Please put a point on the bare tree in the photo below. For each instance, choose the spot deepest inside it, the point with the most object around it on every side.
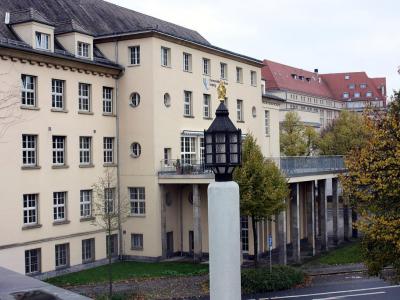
(109, 211)
(10, 113)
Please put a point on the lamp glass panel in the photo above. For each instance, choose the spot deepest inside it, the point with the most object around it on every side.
(234, 158)
(220, 138)
(209, 159)
(221, 170)
(220, 148)
(208, 138)
(233, 148)
(233, 137)
(220, 158)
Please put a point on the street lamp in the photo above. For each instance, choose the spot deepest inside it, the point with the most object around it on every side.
(222, 154)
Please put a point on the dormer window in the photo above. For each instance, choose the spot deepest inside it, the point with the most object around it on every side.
(345, 95)
(83, 50)
(294, 76)
(42, 41)
(347, 77)
(368, 94)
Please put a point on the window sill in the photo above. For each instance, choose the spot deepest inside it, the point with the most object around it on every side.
(186, 116)
(254, 85)
(87, 261)
(136, 216)
(133, 65)
(31, 167)
(208, 75)
(168, 67)
(59, 110)
(82, 112)
(56, 223)
(29, 107)
(62, 267)
(109, 115)
(240, 121)
(86, 166)
(207, 118)
(60, 167)
(240, 82)
(186, 71)
(109, 165)
(137, 248)
(86, 219)
(33, 226)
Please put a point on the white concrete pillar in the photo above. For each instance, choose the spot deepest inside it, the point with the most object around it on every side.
(163, 196)
(281, 237)
(295, 221)
(310, 211)
(197, 251)
(224, 240)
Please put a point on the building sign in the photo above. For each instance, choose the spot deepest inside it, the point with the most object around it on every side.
(211, 83)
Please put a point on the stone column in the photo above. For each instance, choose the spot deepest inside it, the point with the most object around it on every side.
(295, 221)
(163, 196)
(281, 237)
(323, 211)
(310, 201)
(347, 222)
(197, 251)
(335, 212)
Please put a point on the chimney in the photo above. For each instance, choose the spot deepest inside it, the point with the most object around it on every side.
(316, 71)
(7, 18)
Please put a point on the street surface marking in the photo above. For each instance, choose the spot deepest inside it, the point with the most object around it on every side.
(352, 295)
(335, 292)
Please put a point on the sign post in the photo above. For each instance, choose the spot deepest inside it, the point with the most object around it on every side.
(270, 252)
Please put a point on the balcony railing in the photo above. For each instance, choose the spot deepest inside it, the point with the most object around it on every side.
(291, 166)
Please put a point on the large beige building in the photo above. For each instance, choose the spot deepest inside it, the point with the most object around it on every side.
(101, 87)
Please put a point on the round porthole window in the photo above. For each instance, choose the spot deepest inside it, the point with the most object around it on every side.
(136, 149)
(254, 112)
(167, 100)
(135, 99)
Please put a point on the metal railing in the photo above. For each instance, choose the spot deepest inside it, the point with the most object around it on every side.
(183, 167)
(293, 166)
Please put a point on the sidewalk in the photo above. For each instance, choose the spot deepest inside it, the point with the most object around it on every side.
(330, 270)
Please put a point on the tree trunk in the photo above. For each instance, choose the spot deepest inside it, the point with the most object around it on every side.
(255, 240)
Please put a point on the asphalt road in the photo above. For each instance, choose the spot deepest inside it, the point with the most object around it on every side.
(345, 286)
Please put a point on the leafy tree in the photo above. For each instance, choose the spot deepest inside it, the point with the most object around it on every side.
(372, 184)
(263, 188)
(343, 134)
(296, 139)
(10, 112)
(109, 211)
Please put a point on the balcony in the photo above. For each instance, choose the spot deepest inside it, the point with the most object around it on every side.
(184, 171)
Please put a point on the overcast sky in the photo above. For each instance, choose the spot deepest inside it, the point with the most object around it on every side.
(333, 36)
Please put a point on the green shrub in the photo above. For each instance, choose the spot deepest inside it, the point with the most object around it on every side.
(261, 280)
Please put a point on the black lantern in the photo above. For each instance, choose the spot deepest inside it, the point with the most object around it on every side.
(222, 149)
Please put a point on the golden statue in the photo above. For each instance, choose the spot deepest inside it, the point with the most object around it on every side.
(221, 90)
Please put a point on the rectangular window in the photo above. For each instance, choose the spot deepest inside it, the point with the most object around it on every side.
(239, 110)
(165, 57)
(134, 55)
(85, 150)
(253, 78)
(28, 92)
(83, 49)
(188, 150)
(32, 261)
(112, 245)
(187, 62)
(86, 203)
(356, 95)
(206, 106)
(59, 150)
(107, 100)
(206, 66)
(201, 150)
(345, 95)
(137, 241)
(57, 93)
(84, 97)
(187, 105)
(266, 122)
(352, 86)
(244, 233)
(30, 209)
(368, 94)
(42, 41)
(109, 196)
(108, 151)
(59, 206)
(29, 150)
(224, 71)
(363, 85)
(322, 117)
(167, 156)
(137, 200)
(62, 255)
(239, 75)
(88, 250)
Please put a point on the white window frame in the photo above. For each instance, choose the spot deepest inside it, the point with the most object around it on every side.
(239, 75)
(42, 41)
(88, 250)
(109, 200)
(207, 106)
(29, 263)
(137, 199)
(59, 153)
(83, 49)
(166, 57)
(368, 94)
(59, 206)
(346, 95)
(253, 78)
(113, 239)
(136, 149)
(239, 110)
(85, 150)
(135, 99)
(134, 55)
(108, 106)
(188, 150)
(29, 150)
(267, 122)
(224, 71)
(206, 66)
(108, 150)
(57, 94)
(357, 94)
(137, 241)
(61, 253)
(244, 234)
(188, 104)
(86, 203)
(187, 62)
(84, 97)
(28, 90)
(30, 209)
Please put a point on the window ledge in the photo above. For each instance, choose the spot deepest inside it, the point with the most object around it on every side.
(207, 118)
(29, 107)
(59, 110)
(87, 261)
(168, 67)
(109, 165)
(136, 216)
(55, 223)
(187, 71)
(133, 65)
(109, 115)
(60, 167)
(240, 82)
(240, 121)
(62, 267)
(33, 226)
(191, 117)
(82, 166)
(137, 248)
(82, 112)
(86, 219)
(208, 75)
(31, 167)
